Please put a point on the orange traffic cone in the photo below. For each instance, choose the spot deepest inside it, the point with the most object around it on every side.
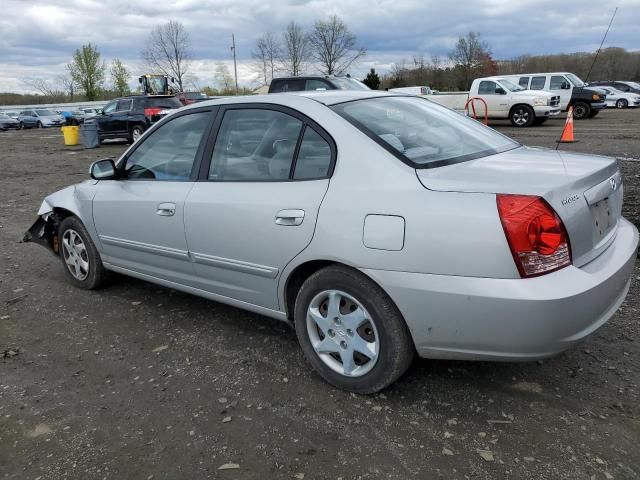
(567, 133)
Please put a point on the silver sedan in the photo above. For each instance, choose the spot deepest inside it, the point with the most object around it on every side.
(379, 225)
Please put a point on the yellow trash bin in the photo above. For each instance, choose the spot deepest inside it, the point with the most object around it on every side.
(71, 135)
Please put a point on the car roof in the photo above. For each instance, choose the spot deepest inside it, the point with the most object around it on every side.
(326, 97)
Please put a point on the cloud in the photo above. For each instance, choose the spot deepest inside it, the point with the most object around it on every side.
(38, 38)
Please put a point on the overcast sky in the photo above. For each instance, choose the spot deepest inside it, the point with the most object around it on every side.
(38, 37)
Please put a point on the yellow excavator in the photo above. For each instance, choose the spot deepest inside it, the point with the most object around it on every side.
(153, 84)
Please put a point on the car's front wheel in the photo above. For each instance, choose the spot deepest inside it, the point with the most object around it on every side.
(581, 110)
(21, 126)
(622, 103)
(351, 331)
(522, 116)
(39, 125)
(79, 255)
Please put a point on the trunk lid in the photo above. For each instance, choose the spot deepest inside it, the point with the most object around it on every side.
(584, 190)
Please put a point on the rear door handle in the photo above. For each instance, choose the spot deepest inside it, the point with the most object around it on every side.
(290, 217)
(166, 209)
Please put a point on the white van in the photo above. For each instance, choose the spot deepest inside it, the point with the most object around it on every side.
(586, 101)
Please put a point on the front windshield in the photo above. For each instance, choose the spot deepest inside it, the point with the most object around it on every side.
(422, 133)
(347, 83)
(575, 80)
(509, 85)
(46, 113)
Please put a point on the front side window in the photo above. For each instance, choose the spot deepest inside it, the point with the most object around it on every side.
(422, 133)
(169, 153)
(557, 82)
(255, 145)
(537, 83)
(110, 108)
(314, 84)
(487, 88)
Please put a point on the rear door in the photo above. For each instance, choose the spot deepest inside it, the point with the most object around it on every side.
(255, 206)
(140, 216)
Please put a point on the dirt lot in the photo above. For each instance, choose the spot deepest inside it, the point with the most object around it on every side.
(88, 389)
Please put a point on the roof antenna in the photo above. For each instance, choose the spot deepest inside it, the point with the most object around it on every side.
(594, 61)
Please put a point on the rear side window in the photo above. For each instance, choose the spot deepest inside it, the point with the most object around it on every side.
(487, 88)
(524, 82)
(289, 85)
(537, 83)
(170, 151)
(314, 157)
(123, 105)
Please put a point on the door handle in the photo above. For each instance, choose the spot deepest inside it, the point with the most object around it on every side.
(166, 209)
(290, 217)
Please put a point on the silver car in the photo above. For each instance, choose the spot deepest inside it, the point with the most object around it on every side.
(379, 225)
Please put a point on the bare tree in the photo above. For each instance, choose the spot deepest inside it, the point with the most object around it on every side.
(44, 87)
(223, 76)
(333, 46)
(167, 50)
(469, 54)
(295, 52)
(87, 71)
(267, 56)
(119, 77)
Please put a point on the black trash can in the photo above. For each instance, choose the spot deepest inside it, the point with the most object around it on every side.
(89, 135)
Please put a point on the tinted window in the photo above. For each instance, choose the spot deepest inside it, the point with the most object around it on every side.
(537, 83)
(317, 85)
(487, 88)
(170, 151)
(123, 105)
(110, 107)
(163, 102)
(255, 145)
(289, 85)
(622, 87)
(422, 133)
(524, 82)
(314, 157)
(556, 82)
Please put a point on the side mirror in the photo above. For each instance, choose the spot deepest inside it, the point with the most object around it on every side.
(103, 170)
(500, 91)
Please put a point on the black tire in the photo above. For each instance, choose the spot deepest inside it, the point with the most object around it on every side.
(136, 131)
(622, 103)
(96, 274)
(21, 126)
(540, 120)
(39, 124)
(581, 110)
(396, 349)
(522, 116)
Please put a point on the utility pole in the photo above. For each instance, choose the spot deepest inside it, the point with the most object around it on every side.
(235, 66)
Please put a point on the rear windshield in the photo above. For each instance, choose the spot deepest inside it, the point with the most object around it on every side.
(422, 133)
(163, 102)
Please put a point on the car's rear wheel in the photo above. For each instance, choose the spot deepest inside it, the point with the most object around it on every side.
(581, 110)
(136, 133)
(79, 255)
(351, 331)
(522, 116)
(622, 103)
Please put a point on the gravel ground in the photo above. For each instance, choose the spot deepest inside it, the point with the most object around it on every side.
(137, 382)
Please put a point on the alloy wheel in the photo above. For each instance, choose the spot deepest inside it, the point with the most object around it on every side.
(342, 333)
(521, 116)
(75, 254)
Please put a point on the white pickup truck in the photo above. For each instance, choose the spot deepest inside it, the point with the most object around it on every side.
(504, 99)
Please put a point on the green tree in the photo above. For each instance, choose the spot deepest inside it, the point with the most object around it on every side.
(120, 78)
(372, 80)
(86, 71)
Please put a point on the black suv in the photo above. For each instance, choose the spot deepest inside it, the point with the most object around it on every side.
(329, 82)
(129, 117)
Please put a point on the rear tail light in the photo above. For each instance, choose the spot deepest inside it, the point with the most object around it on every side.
(150, 112)
(536, 235)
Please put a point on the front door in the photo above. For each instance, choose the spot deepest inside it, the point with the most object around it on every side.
(140, 217)
(256, 205)
(559, 85)
(497, 103)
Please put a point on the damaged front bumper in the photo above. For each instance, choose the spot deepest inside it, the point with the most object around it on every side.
(44, 232)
